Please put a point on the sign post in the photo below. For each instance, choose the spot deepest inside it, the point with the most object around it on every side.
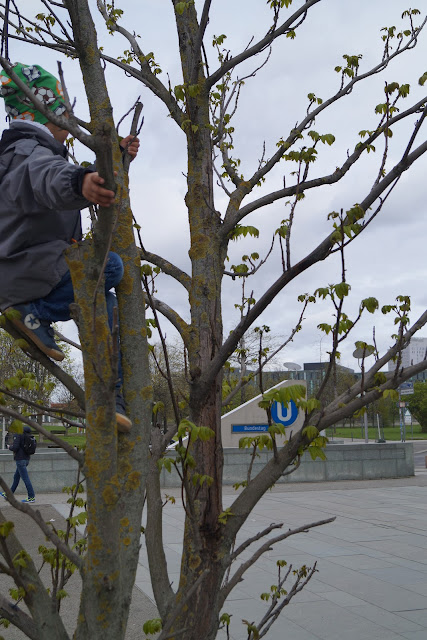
(405, 389)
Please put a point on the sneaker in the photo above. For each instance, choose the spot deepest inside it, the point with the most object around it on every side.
(28, 500)
(3, 495)
(38, 331)
(124, 425)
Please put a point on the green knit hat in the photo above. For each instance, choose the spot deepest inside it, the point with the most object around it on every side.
(43, 84)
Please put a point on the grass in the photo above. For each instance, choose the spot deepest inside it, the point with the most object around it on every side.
(71, 436)
(389, 433)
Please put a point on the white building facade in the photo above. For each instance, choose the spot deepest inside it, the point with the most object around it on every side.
(415, 352)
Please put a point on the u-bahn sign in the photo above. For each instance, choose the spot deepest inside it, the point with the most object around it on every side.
(249, 418)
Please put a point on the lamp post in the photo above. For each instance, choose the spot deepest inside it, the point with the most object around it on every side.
(363, 352)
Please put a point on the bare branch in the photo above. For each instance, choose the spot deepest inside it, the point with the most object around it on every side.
(34, 514)
(267, 546)
(61, 375)
(68, 448)
(174, 318)
(19, 619)
(200, 35)
(234, 216)
(168, 268)
(319, 253)
(241, 383)
(261, 45)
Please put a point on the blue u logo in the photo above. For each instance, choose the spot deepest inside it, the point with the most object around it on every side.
(284, 415)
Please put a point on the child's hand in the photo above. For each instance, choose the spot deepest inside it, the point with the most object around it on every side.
(94, 192)
(131, 144)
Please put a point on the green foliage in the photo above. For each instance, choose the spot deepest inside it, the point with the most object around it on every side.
(153, 626)
(252, 630)
(16, 426)
(166, 463)
(284, 395)
(393, 394)
(17, 594)
(240, 230)
(224, 515)
(218, 40)
(327, 138)
(21, 559)
(310, 432)
(380, 378)
(158, 406)
(274, 4)
(80, 518)
(180, 7)
(196, 433)
(6, 528)
(370, 304)
(260, 442)
(417, 404)
(113, 16)
(225, 619)
(198, 479)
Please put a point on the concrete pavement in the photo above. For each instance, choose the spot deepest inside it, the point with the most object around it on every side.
(371, 582)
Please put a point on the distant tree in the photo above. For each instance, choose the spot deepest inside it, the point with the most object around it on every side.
(417, 404)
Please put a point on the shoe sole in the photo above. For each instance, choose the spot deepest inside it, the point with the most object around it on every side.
(51, 353)
(124, 425)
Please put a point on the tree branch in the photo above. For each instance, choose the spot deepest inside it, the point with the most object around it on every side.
(35, 353)
(168, 268)
(267, 546)
(68, 448)
(234, 216)
(259, 46)
(34, 514)
(174, 318)
(318, 254)
(19, 619)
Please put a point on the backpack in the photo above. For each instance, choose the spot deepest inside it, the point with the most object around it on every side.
(28, 444)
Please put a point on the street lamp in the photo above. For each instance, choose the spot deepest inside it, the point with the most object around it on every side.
(364, 352)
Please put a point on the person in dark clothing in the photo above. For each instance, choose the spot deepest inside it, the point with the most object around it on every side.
(41, 197)
(22, 461)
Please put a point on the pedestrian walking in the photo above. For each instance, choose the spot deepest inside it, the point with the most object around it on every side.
(22, 460)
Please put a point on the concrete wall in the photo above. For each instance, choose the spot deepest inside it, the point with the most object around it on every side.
(50, 469)
(344, 462)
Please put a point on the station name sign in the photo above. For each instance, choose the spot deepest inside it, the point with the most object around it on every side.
(249, 428)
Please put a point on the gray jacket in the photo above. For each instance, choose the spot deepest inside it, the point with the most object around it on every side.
(40, 199)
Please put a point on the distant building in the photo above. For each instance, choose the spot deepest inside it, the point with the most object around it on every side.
(312, 373)
(415, 352)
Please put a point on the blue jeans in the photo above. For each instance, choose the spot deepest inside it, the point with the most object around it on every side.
(55, 307)
(21, 472)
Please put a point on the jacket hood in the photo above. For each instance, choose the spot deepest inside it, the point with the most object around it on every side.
(22, 130)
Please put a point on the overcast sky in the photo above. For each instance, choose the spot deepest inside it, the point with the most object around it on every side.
(386, 260)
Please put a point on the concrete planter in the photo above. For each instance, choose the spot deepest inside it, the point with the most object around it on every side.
(52, 469)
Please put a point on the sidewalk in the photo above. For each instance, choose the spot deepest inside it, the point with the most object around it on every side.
(371, 582)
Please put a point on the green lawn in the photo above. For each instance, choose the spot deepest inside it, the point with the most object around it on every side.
(390, 433)
(71, 436)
